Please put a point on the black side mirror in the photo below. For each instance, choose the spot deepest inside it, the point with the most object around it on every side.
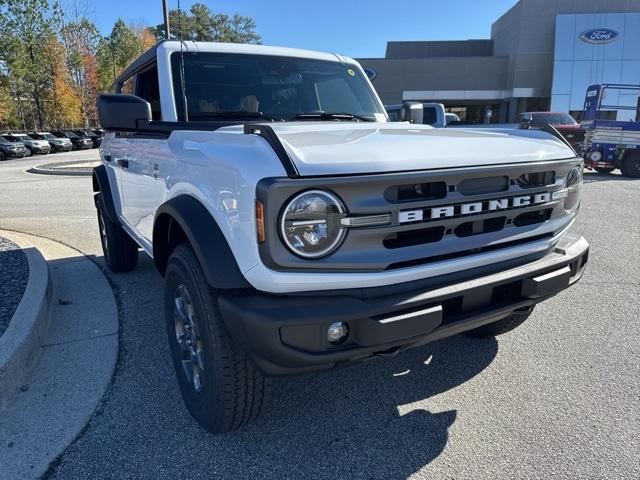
(412, 112)
(123, 113)
(525, 123)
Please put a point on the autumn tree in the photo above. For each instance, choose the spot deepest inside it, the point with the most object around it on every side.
(80, 38)
(65, 104)
(201, 24)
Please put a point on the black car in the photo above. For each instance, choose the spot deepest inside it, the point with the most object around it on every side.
(99, 132)
(78, 142)
(85, 132)
(57, 144)
(11, 148)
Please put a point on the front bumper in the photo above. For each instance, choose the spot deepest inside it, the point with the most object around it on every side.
(43, 150)
(286, 334)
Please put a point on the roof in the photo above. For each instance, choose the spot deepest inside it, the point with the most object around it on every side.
(169, 46)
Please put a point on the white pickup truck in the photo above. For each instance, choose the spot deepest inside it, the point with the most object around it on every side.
(297, 230)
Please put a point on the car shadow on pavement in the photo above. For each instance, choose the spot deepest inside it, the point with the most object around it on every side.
(361, 418)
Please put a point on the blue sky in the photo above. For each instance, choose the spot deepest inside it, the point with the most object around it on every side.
(358, 28)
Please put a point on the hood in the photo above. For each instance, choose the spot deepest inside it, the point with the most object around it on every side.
(334, 148)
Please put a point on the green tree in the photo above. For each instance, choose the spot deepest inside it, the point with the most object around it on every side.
(115, 52)
(201, 24)
(26, 28)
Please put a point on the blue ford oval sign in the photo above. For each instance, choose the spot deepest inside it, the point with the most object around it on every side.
(599, 35)
(370, 72)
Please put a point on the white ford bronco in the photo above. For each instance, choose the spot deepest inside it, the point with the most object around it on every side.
(298, 230)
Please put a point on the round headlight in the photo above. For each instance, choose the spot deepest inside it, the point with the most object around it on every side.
(310, 224)
(573, 184)
(595, 155)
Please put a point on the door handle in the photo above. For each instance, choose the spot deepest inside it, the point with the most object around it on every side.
(122, 163)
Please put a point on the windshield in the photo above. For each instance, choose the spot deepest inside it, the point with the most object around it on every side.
(70, 134)
(230, 86)
(11, 139)
(48, 136)
(22, 137)
(553, 119)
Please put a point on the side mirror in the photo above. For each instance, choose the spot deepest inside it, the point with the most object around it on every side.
(123, 113)
(412, 112)
(525, 123)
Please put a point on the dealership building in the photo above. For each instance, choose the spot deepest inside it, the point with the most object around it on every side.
(542, 55)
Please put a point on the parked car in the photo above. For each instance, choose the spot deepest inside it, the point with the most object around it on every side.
(33, 145)
(56, 144)
(99, 132)
(452, 119)
(298, 233)
(11, 148)
(563, 122)
(85, 132)
(78, 142)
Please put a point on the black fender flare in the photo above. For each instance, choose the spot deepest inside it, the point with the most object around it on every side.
(101, 184)
(205, 237)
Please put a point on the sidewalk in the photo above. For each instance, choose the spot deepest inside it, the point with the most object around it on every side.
(78, 356)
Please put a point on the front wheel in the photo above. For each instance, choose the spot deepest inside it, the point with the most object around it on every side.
(631, 166)
(221, 387)
(505, 325)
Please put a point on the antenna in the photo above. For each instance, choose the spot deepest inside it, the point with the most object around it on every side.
(165, 11)
(182, 82)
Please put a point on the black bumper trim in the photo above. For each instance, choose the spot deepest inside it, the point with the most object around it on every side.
(286, 334)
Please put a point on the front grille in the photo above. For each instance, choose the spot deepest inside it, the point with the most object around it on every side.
(435, 215)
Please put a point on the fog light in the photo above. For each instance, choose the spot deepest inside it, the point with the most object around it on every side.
(337, 333)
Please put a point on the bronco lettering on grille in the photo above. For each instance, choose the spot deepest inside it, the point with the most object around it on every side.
(473, 208)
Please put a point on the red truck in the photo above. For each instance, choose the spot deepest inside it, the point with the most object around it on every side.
(563, 122)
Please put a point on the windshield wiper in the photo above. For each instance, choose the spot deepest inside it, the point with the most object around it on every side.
(320, 115)
(231, 114)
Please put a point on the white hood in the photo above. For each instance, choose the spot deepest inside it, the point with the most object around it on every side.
(333, 148)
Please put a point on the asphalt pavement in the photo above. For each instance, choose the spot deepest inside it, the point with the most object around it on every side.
(559, 397)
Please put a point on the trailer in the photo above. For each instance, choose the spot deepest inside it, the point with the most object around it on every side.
(611, 118)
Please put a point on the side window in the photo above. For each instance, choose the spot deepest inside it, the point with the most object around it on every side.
(429, 116)
(127, 86)
(147, 87)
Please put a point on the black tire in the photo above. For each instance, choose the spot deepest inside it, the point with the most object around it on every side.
(631, 165)
(28, 153)
(221, 387)
(2, 156)
(505, 325)
(120, 251)
(603, 169)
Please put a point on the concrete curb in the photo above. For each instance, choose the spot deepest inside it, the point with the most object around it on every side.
(20, 345)
(53, 169)
(78, 355)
